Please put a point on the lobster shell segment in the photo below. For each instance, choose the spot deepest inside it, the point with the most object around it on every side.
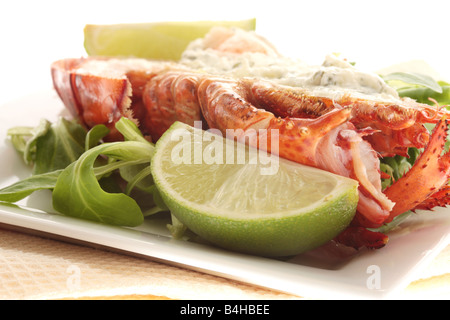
(93, 99)
(101, 90)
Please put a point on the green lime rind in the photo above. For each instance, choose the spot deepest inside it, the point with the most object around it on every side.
(272, 237)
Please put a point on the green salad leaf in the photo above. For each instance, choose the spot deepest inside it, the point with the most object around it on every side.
(412, 78)
(397, 166)
(23, 188)
(24, 139)
(427, 95)
(48, 146)
(61, 145)
(94, 136)
(420, 87)
(78, 193)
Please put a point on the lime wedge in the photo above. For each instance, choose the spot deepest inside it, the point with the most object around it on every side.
(158, 40)
(256, 203)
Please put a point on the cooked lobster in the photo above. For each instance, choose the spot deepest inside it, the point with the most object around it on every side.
(345, 134)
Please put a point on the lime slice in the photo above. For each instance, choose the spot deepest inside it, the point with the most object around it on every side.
(257, 203)
(158, 40)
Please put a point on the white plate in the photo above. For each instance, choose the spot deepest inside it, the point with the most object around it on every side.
(320, 274)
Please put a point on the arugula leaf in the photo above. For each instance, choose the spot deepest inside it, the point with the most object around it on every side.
(78, 193)
(140, 186)
(414, 79)
(398, 220)
(49, 147)
(129, 130)
(24, 139)
(25, 187)
(423, 95)
(62, 144)
(94, 136)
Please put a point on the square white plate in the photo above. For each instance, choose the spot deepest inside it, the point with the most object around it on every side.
(323, 273)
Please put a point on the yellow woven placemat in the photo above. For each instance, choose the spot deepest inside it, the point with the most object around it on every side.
(33, 267)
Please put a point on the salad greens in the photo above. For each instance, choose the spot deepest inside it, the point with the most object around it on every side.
(90, 180)
(49, 146)
(414, 79)
(419, 87)
(78, 193)
(424, 94)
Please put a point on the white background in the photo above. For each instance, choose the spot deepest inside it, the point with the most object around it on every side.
(375, 34)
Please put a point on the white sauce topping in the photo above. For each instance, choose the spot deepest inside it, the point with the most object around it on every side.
(334, 78)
